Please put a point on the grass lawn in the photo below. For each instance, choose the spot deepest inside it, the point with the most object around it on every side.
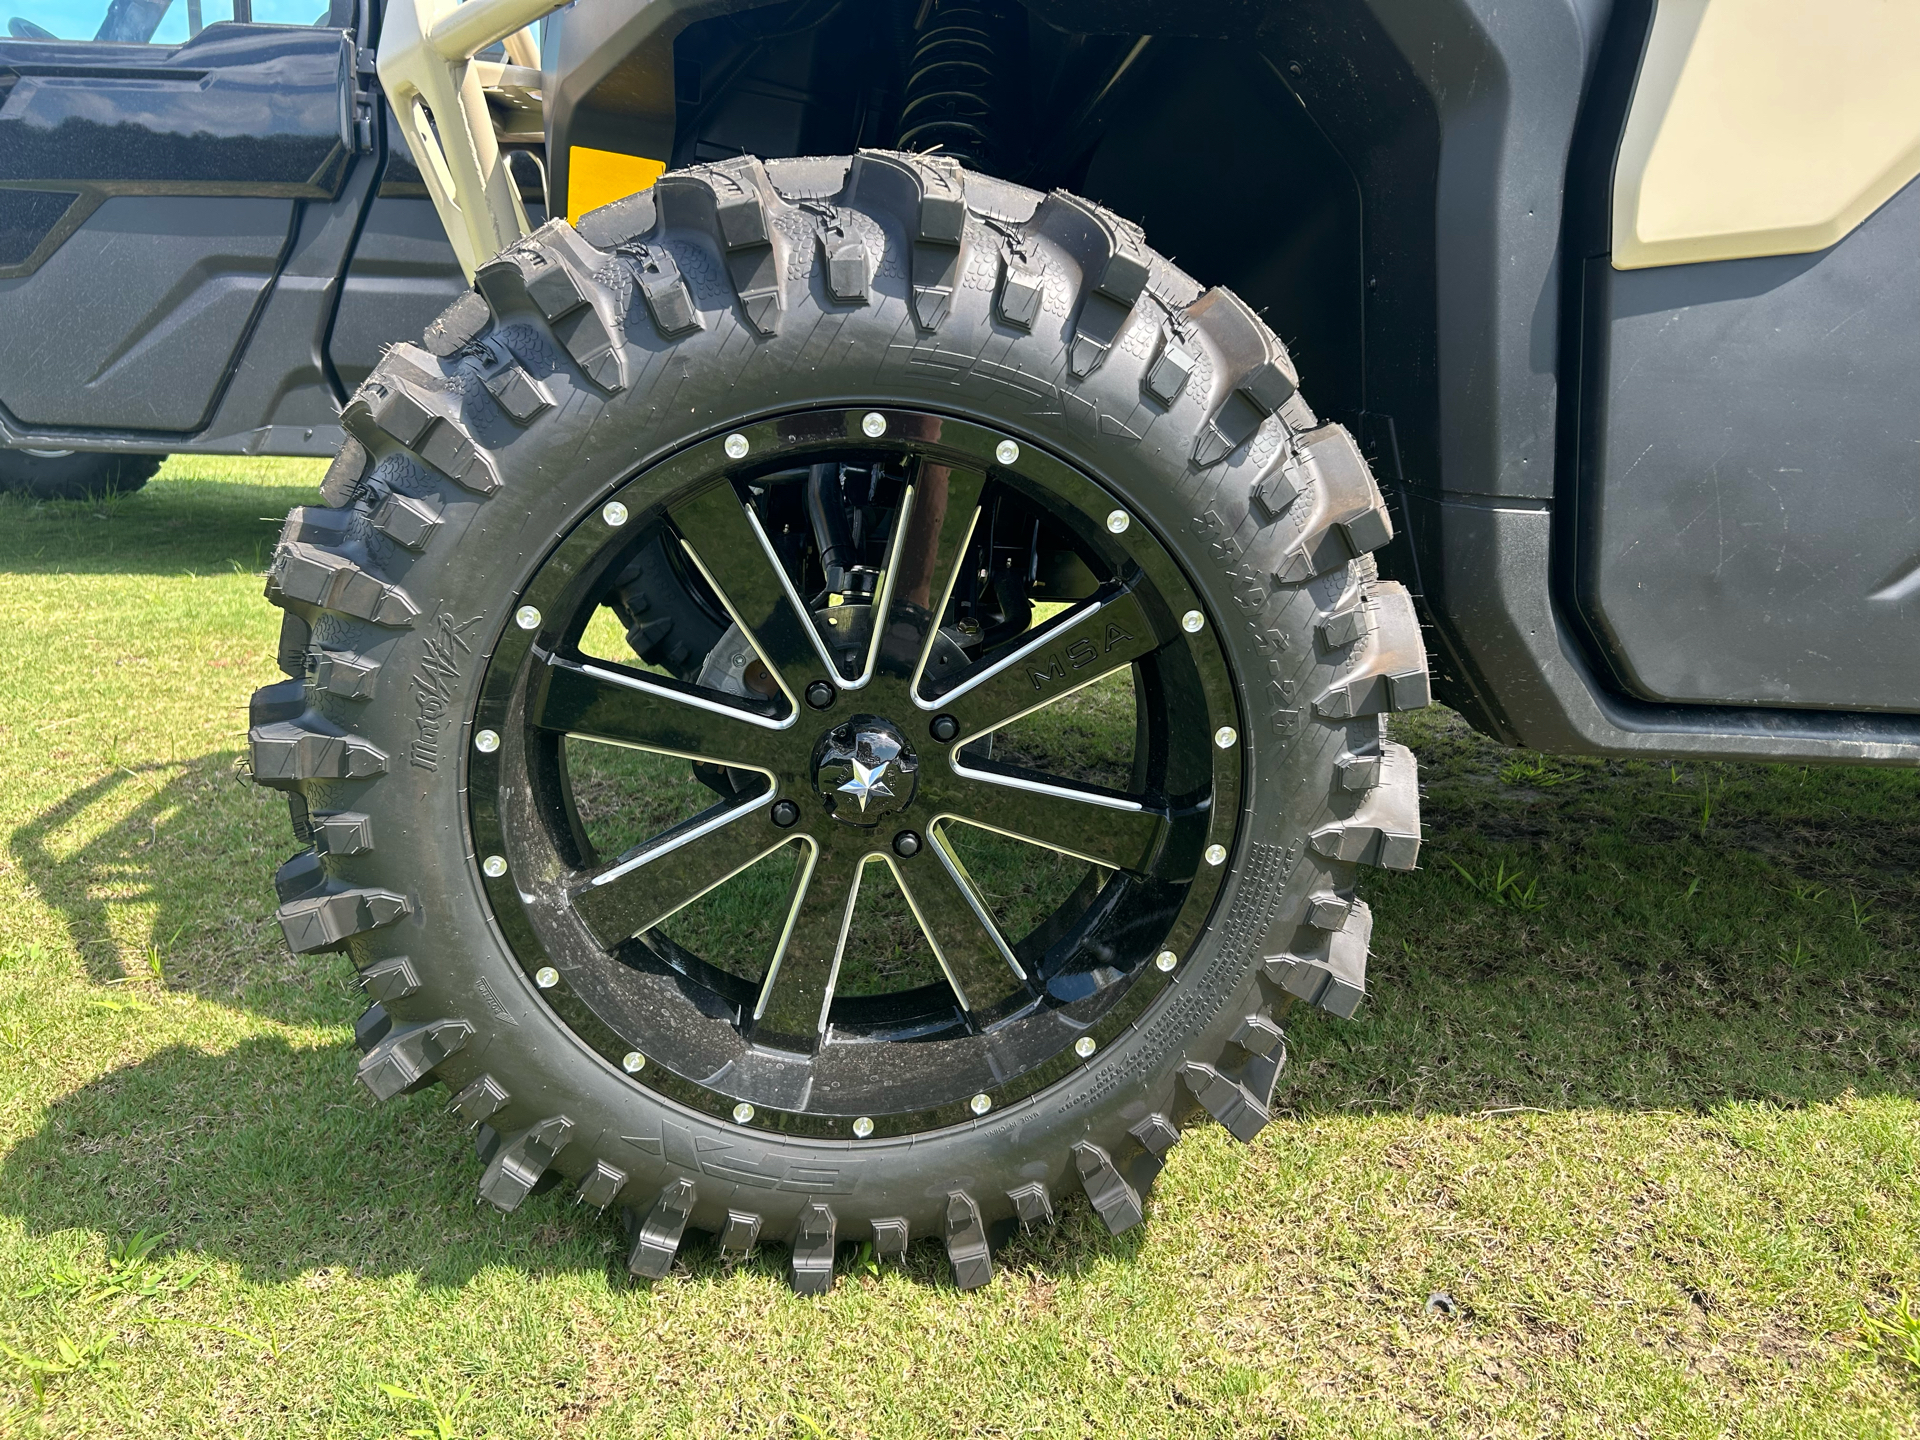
(1622, 1144)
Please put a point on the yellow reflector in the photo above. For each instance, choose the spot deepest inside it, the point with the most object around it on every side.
(600, 177)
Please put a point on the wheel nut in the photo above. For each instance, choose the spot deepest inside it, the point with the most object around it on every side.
(1225, 736)
(1193, 622)
(819, 694)
(863, 1127)
(633, 1062)
(546, 977)
(1216, 854)
(1118, 521)
(785, 813)
(1165, 961)
(944, 728)
(736, 447)
(494, 865)
(980, 1104)
(1006, 452)
(1084, 1046)
(742, 1112)
(527, 618)
(614, 513)
(906, 843)
(486, 742)
(873, 423)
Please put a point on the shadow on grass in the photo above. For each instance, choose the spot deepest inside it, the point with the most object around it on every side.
(179, 522)
(1682, 939)
(201, 850)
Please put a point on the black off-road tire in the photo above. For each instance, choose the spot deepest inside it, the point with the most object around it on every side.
(671, 318)
(73, 474)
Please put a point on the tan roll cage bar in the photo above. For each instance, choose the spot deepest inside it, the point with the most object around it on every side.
(439, 95)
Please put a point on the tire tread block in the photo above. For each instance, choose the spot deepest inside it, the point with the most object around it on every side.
(658, 1242)
(405, 1057)
(601, 1186)
(1385, 829)
(1253, 374)
(811, 1269)
(519, 1165)
(307, 574)
(1390, 674)
(927, 194)
(1347, 518)
(1243, 1113)
(1115, 1201)
(966, 1240)
(729, 201)
(327, 921)
(290, 752)
(1333, 972)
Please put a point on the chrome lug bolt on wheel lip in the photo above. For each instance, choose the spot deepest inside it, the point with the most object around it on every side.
(1226, 737)
(486, 742)
(494, 866)
(742, 1113)
(873, 424)
(910, 825)
(1193, 622)
(1216, 854)
(633, 1062)
(1165, 961)
(527, 618)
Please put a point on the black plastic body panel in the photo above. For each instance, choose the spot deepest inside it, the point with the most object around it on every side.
(1749, 522)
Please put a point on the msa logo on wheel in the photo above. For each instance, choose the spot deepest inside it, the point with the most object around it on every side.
(1077, 656)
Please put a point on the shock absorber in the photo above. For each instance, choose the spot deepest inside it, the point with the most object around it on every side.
(964, 90)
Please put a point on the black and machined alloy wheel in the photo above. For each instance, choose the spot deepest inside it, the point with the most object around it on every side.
(840, 701)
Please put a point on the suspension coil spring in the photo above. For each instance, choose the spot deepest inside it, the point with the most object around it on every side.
(961, 85)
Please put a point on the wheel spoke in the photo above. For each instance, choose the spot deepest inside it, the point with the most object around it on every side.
(1095, 825)
(725, 541)
(676, 868)
(1076, 649)
(791, 1013)
(925, 562)
(602, 701)
(954, 917)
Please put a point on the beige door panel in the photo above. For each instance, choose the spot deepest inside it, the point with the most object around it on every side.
(1765, 127)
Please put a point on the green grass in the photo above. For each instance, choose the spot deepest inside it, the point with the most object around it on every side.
(1653, 1131)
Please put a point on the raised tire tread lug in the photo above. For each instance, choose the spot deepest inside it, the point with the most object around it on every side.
(341, 673)
(966, 1239)
(669, 302)
(1342, 627)
(601, 1185)
(849, 268)
(1332, 972)
(1156, 1135)
(479, 1101)
(321, 525)
(658, 1242)
(522, 1162)
(1258, 1035)
(1345, 516)
(408, 521)
(730, 201)
(326, 921)
(389, 405)
(341, 832)
(811, 1266)
(389, 980)
(1242, 1113)
(1385, 829)
(281, 701)
(928, 194)
(1032, 1204)
(1327, 912)
(890, 1236)
(288, 753)
(1253, 375)
(290, 651)
(457, 326)
(1115, 261)
(299, 876)
(404, 1058)
(1390, 673)
(741, 1232)
(307, 574)
(372, 1027)
(1167, 376)
(1021, 290)
(1115, 1201)
(1358, 773)
(342, 483)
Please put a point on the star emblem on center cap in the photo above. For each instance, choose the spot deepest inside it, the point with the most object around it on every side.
(864, 770)
(868, 783)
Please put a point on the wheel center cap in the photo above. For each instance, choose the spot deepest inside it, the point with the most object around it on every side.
(864, 771)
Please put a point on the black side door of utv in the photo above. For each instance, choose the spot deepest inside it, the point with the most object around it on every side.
(153, 196)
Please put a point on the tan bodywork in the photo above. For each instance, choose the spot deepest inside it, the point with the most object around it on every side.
(1765, 127)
